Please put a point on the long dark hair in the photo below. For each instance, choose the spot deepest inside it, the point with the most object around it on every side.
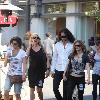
(68, 35)
(82, 46)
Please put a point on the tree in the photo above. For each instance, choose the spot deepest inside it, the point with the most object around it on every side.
(93, 10)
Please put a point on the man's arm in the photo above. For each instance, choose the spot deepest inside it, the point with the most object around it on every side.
(54, 61)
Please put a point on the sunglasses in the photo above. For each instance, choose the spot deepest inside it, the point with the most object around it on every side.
(35, 37)
(77, 45)
(15, 43)
(63, 36)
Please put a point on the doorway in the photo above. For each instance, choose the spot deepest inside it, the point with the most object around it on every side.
(60, 24)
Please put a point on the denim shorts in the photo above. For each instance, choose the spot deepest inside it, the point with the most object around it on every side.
(8, 85)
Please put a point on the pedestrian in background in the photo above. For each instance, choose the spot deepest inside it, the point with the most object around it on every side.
(74, 72)
(16, 57)
(96, 69)
(48, 45)
(37, 66)
(27, 38)
(62, 49)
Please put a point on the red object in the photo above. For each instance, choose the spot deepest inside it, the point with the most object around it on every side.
(8, 20)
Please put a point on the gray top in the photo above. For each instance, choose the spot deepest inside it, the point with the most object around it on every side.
(48, 46)
(96, 68)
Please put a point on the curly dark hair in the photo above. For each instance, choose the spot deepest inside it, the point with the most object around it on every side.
(68, 35)
(18, 40)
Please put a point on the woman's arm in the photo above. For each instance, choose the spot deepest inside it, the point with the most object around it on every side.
(24, 68)
(88, 72)
(28, 51)
(7, 57)
(5, 61)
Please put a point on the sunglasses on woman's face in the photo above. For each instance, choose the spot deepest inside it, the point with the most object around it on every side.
(15, 44)
(77, 45)
(35, 37)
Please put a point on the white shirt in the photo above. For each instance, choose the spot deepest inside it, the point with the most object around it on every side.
(60, 56)
(16, 63)
(48, 45)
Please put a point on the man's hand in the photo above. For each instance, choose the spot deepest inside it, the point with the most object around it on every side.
(52, 74)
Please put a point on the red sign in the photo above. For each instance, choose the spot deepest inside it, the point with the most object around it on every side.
(10, 20)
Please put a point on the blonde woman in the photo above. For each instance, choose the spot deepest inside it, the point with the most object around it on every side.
(37, 66)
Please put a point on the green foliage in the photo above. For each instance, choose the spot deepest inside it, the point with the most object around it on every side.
(98, 18)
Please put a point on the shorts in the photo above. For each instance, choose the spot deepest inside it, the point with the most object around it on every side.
(38, 83)
(8, 85)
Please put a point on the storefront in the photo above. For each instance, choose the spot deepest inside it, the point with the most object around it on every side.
(55, 15)
(71, 15)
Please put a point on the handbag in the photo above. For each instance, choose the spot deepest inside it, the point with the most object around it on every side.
(16, 79)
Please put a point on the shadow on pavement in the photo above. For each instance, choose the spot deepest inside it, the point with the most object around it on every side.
(87, 97)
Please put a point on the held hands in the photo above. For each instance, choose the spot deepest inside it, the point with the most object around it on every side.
(88, 81)
(47, 73)
(24, 78)
(52, 74)
(64, 77)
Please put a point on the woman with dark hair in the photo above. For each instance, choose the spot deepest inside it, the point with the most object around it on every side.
(17, 67)
(62, 49)
(74, 72)
(37, 66)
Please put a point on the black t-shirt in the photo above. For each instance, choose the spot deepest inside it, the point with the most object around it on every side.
(37, 63)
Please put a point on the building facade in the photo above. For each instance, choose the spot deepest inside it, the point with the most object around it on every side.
(42, 16)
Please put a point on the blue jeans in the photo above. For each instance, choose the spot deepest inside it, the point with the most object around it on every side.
(8, 85)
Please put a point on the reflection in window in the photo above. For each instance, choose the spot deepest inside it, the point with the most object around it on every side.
(55, 8)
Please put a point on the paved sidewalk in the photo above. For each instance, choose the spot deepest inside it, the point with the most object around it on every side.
(47, 90)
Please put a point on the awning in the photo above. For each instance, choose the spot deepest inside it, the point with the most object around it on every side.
(9, 6)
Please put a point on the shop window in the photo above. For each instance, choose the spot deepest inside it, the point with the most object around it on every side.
(55, 8)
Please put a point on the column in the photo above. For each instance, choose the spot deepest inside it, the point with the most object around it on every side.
(73, 22)
(38, 26)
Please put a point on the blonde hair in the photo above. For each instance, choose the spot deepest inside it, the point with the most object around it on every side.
(37, 36)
